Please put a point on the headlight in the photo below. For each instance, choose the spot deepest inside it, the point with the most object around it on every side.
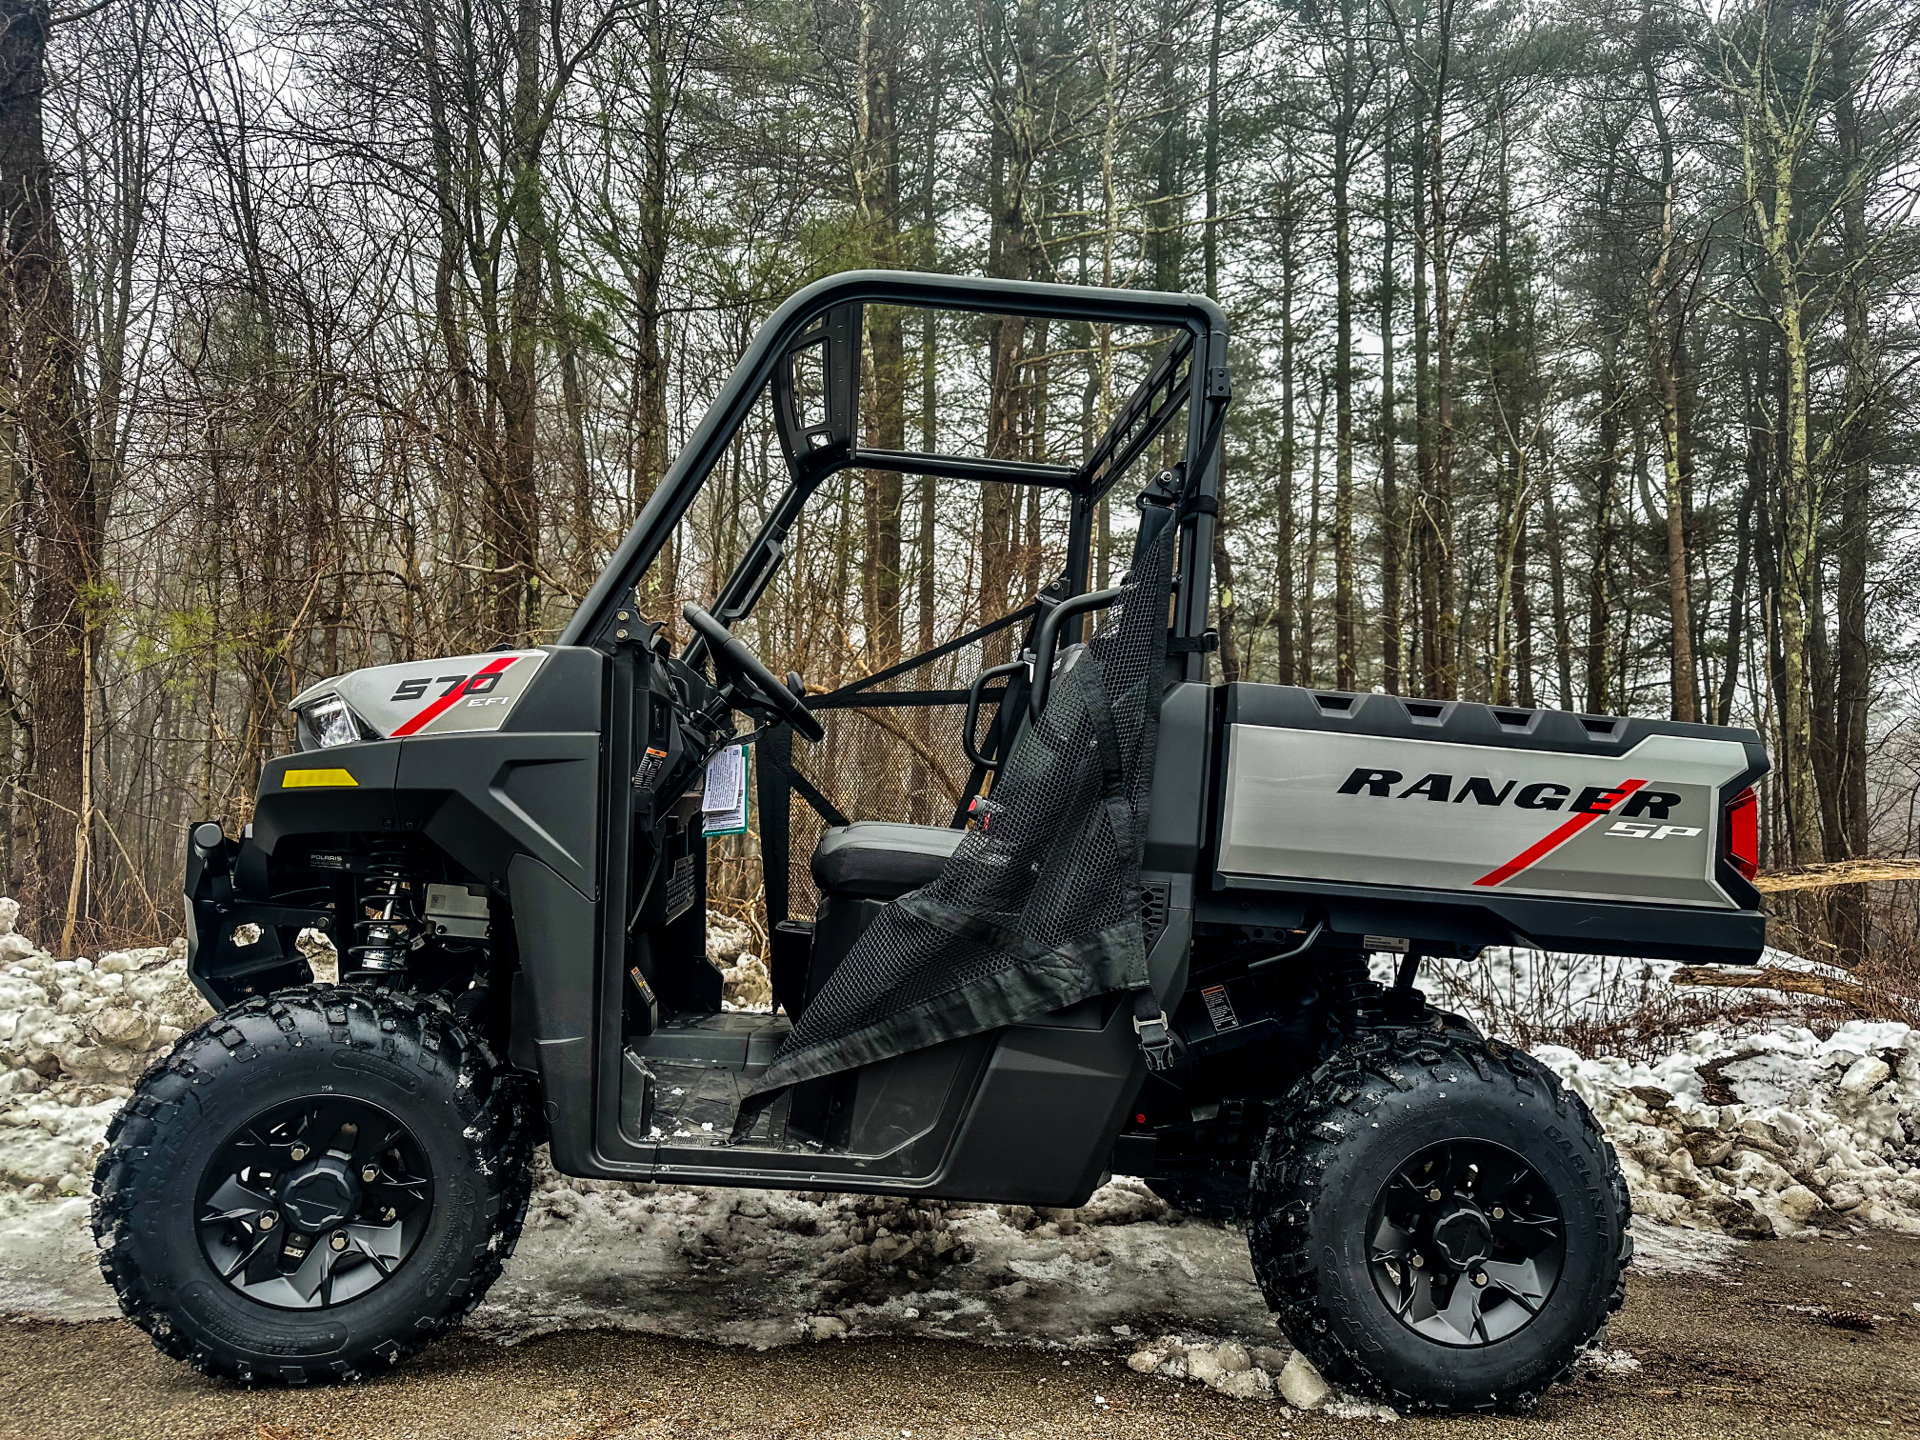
(331, 723)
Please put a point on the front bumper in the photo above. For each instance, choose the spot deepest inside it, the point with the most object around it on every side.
(226, 892)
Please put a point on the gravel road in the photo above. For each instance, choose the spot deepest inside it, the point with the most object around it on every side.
(1727, 1357)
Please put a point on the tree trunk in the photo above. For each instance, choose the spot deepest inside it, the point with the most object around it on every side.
(1015, 146)
(1210, 257)
(1742, 557)
(1852, 677)
(1345, 619)
(1666, 343)
(647, 272)
(515, 510)
(1446, 635)
(1392, 544)
(41, 333)
(1309, 579)
(1424, 550)
(1600, 555)
(1522, 615)
(1285, 622)
(1795, 523)
(876, 178)
(1557, 586)
(573, 396)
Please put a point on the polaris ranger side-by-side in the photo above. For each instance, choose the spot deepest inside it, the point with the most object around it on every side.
(1139, 946)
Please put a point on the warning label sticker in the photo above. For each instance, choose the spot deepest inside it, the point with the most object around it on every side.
(649, 768)
(1220, 1009)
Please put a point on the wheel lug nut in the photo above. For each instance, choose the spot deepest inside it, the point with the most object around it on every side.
(370, 1173)
(269, 1219)
(299, 1150)
(1499, 1212)
(1418, 1260)
(338, 1240)
(1480, 1277)
(1434, 1193)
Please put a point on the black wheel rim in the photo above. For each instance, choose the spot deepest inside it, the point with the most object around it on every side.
(1465, 1243)
(314, 1203)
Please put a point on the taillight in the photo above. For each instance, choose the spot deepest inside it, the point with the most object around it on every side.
(1742, 833)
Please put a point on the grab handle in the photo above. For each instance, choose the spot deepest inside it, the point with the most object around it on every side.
(1048, 639)
(1012, 667)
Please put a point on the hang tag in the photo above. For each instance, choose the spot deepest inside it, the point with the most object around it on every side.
(724, 805)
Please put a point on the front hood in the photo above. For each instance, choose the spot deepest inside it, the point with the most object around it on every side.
(433, 697)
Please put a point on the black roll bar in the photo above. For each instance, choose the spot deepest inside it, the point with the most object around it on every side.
(1205, 342)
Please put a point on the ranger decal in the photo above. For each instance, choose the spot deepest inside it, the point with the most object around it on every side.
(1541, 795)
(1430, 814)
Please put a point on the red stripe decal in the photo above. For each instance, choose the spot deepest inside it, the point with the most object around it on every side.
(445, 702)
(1540, 849)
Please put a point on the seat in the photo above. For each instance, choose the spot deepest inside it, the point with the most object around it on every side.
(881, 860)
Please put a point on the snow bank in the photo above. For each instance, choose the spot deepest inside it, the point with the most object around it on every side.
(74, 1036)
(1510, 990)
(746, 983)
(1767, 1134)
(1727, 1137)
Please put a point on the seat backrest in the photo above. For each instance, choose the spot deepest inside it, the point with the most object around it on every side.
(1154, 520)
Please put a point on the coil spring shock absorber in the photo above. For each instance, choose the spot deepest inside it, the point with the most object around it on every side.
(1353, 996)
(388, 916)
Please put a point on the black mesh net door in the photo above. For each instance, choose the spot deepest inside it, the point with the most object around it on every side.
(1039, 907)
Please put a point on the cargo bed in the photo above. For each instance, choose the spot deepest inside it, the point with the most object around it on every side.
(1470, 824)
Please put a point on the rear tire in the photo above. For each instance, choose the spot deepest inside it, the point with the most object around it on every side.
(1414, 1169)
(159, 1199)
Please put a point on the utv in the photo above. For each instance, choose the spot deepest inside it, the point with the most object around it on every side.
(1139, 943)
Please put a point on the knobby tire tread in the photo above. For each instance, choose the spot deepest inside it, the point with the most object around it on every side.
(1284, 1181)
(418, 1030)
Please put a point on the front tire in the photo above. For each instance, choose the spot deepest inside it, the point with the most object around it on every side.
(312, 1185)
(1438, 1222)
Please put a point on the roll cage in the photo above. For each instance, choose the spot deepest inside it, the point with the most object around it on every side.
(824, 323)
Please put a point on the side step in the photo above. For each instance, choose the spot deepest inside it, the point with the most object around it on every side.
(684, 1082)
(738, 1040)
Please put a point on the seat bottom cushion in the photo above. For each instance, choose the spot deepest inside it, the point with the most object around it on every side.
(879, 860)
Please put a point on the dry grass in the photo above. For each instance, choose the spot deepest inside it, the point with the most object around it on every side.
(1633, 1012)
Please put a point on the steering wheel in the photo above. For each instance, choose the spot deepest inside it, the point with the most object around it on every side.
(746, 667)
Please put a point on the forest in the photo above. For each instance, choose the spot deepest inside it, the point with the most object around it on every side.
(1574, 359)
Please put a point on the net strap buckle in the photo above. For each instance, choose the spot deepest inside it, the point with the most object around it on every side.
(1155, 1043)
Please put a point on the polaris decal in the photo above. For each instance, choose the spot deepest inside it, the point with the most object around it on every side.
(1424, 814)
(460, 695)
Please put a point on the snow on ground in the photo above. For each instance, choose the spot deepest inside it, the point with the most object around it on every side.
(762, 1267)
(1726, 1138)
(1508, 989)
(1748, 1135)
(1768, 1134)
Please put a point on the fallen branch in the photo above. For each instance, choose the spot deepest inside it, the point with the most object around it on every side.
(1838, 872)
(1772, 977)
